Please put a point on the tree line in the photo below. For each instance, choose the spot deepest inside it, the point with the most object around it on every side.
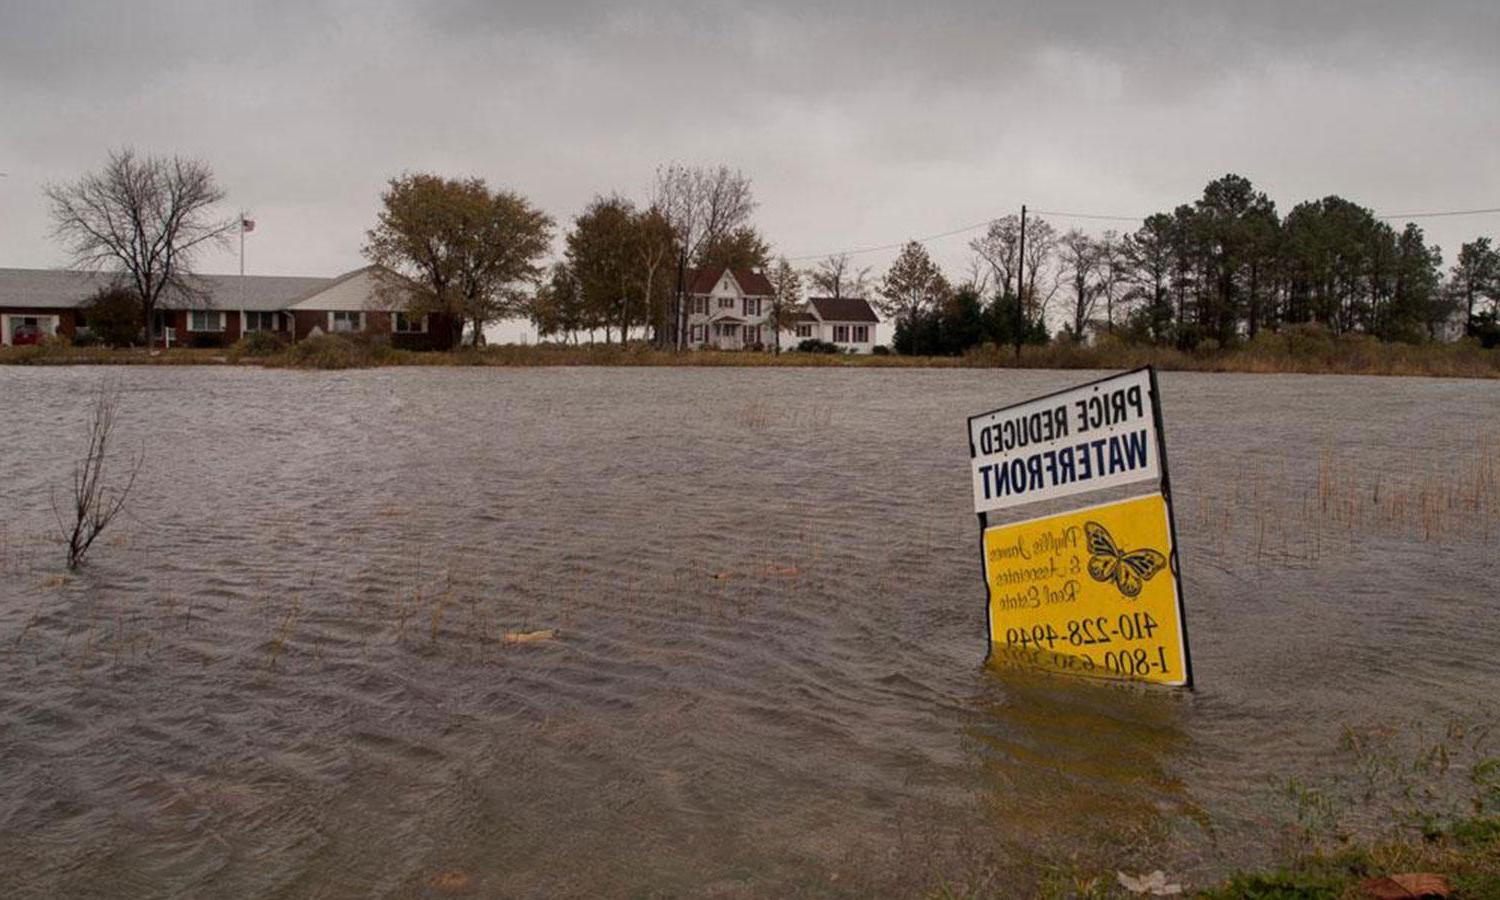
(1212, 272)
(1215, 271)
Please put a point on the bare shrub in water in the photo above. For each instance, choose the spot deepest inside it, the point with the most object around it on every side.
(95, 500)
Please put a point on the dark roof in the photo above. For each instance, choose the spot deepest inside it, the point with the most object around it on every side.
(843, 309)
(753, 283)
(803, 316)
(68, 289)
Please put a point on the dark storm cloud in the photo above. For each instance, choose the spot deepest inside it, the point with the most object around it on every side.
(861, 123)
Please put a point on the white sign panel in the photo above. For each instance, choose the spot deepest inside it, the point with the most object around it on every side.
(1100, 435)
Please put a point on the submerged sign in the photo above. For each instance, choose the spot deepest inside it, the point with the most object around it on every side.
(1095, 591)
(1090, 591)
(1097, 436)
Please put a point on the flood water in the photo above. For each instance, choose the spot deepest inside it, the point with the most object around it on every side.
(285, 670)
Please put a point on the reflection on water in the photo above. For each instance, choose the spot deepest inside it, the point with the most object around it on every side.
(1075, 770)
(288, 673)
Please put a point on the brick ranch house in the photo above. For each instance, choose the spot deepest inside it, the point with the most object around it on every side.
(730, 309)
(42, 302)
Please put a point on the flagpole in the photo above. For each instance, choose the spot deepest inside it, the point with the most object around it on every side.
(242, 271)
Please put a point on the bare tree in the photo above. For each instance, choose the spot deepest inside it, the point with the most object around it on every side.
(95, 501)
(1080, 259)
(976, 276)
(701, 206)
(837, 277)
(145, 218)
(1113, 274)
(1000, 248)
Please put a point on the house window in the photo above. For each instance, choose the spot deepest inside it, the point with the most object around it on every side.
(752, 335)
(752, 306)
(861, 334)
(700, 305)
(841, 334)
(804, 331)
(697, 334)
(29, 329)
(340, 322)
(404, 324)
(205, 320)
(260, 321)
(726, 303)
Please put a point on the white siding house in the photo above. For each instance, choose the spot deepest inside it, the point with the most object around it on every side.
(846, 322)
(729, 309)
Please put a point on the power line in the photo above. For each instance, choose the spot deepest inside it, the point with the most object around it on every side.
(1450, 212)
(920, 240)
(1489, 210)
(1072, 215)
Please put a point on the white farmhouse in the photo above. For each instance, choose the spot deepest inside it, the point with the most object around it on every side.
(729, 309)
(846, 322)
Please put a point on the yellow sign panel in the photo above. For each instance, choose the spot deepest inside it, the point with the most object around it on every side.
(1091, 592)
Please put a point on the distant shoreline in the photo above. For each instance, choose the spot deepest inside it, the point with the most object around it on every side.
(1344, 356)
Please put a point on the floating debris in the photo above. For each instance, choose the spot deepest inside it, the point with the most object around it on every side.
(530, 637)
(1154, 884)
(1410, 886)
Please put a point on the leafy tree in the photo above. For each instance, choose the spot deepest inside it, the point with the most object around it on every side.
(655, 246)
(1002, 319)
(912, 285)
(468, 252)
(1417, 305)
(1476, 277)
(604, 261)
(786, 302)
(114, 316)
(1148, 261)
(557, 306)
(742, 248)
(1234, 226)
(144, 218)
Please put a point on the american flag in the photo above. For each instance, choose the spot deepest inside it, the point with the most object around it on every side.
(247, 224)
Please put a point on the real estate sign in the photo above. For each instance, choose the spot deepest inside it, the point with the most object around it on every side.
(1097, 436)
(1094, 591)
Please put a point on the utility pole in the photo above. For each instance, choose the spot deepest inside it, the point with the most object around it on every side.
(1021, 286)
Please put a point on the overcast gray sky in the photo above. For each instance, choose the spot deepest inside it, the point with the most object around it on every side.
(860, 123)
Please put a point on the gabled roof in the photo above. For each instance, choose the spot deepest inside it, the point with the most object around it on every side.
(70, 289)
(355, 290)
(753, 283)
(843, 309)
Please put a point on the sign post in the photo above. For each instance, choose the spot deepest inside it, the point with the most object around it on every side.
(1095, 591)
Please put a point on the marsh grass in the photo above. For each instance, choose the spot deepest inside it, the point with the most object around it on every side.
(1300, 349)
(1256, 518)
(1412, 798)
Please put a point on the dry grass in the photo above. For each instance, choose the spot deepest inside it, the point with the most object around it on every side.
(64, 355)
(1301, 349)
(1255, 518)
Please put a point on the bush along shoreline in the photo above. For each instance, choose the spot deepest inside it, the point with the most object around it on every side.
(1297, 350)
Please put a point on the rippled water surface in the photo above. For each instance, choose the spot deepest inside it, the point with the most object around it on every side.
(286, 672)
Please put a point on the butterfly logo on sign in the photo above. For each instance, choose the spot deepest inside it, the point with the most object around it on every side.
(1128, 570)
